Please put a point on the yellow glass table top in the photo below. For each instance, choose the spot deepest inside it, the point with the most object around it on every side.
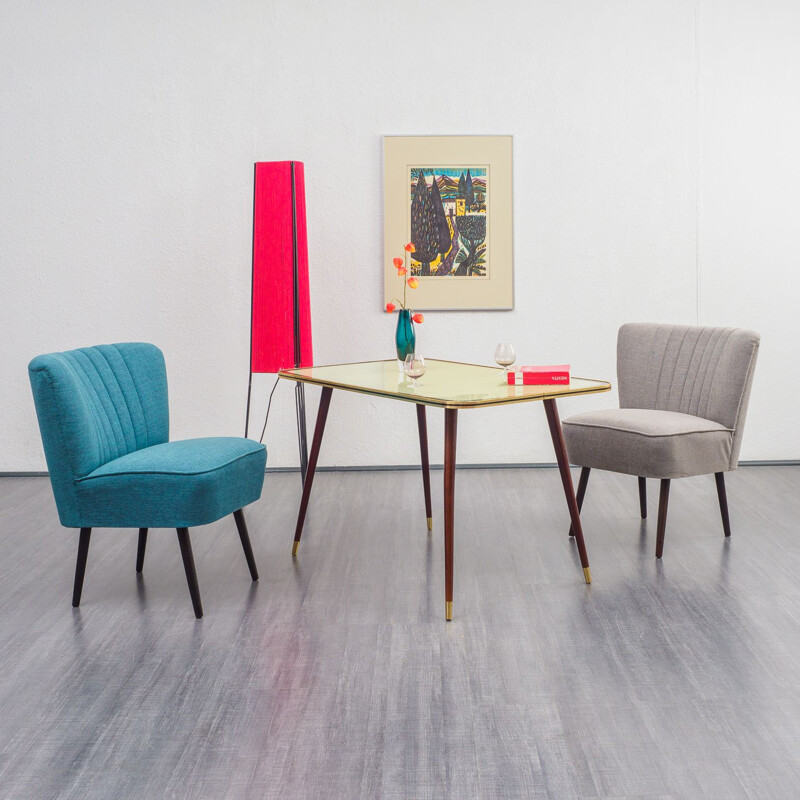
(446, 384)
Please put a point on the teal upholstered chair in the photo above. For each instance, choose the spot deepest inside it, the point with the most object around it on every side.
(104, 419)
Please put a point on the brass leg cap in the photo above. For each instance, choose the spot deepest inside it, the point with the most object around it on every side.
(294, 548)
(448, 610)
(587, 574)
(430, 523)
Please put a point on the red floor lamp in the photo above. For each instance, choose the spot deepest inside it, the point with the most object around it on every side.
(280, 310)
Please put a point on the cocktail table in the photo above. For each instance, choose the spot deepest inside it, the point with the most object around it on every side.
(452, 386)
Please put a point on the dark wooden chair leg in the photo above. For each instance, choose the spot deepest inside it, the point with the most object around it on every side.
(322, 415)
(582, 483)
(450, 428)
(140, 549)
(643, 497)
(191, 574)
(663, 500)
(241, 526)
(723, 502)
(80, 566)
(557, 435)
(422, 424)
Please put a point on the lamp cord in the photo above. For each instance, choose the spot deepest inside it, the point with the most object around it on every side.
(269, 404)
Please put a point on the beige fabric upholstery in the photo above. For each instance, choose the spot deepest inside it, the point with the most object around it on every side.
(683, 395)
(653, 444)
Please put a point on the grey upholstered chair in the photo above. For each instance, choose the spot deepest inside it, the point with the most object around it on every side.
(683, 394)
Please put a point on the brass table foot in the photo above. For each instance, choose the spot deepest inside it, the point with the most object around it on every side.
(448, 610)
(297, 544)
(587, 574)
(430, 523)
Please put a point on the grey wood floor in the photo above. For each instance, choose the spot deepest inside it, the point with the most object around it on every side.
(336, 675)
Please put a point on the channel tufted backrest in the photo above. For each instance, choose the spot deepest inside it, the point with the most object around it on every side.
(94, 405)
(702, 371)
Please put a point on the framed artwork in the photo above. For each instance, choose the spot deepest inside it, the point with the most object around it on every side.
(452, 197)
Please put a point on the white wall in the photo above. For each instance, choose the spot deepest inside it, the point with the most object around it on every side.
(749, 188)
(656, 178)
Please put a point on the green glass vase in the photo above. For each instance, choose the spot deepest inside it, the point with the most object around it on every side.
(404, 338)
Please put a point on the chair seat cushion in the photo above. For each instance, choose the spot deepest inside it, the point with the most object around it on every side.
(173, 485)
(646, 442)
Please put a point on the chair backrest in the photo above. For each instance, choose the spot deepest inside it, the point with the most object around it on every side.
(96, 404)
(703, 371)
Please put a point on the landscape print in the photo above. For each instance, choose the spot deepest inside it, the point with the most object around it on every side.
(448, 221)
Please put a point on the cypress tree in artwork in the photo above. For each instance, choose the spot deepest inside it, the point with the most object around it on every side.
(442, 228)
(423, 225)
(462, 186)
(469, 194)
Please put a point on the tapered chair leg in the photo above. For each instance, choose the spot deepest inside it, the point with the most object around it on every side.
(643, 497)
(582, 482)
(191, 574)
(80, 566)
(245, 537)
(663, 500)
(140, 549)
(723, 502)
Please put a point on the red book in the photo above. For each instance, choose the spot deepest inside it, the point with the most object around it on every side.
(539, 376)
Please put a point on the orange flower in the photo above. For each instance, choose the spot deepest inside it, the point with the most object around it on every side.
(418, 318)
(390, 307)
(410, 248)
(401, 270)
(413, 283)
(398, 262)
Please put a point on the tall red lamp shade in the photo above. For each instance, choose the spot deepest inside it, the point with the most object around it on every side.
(280, 312)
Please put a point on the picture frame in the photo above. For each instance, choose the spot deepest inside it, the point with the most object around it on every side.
(454, 195)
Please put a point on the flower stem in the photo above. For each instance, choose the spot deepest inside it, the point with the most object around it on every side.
(405, 278)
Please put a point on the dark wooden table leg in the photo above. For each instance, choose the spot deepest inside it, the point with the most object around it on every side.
(582, 483)
(322, 415)
(450, 424)
(422, 424)
(557, 435)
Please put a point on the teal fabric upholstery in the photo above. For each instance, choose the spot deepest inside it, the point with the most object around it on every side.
(104, 419)
(175, 485)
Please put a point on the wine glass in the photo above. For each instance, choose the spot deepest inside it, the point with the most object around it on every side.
(414, 367)
(505, 356)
